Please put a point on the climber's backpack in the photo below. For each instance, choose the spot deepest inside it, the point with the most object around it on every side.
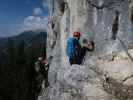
(70, 47)
(73, 50)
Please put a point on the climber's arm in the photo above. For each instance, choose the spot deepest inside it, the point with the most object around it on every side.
(89, 46)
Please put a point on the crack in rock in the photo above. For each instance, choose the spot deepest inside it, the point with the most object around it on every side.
(103, 5)
(127, 78)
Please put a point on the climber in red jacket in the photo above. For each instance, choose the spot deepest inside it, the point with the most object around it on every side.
(41, 69)
(44, 70)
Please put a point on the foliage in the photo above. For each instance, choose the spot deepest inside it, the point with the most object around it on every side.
(17, 67)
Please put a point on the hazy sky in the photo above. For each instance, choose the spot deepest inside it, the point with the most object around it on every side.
(19, 15)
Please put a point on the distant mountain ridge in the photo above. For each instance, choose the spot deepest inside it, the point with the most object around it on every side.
(36, 39)
(26, 36)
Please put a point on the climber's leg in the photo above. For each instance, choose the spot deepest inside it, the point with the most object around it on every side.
(70, 61)
(79, 56)
(37, 89)
(46, 79)
(79, 60)
(82, 54)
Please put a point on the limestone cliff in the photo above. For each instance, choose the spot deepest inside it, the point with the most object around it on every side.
(109, 23)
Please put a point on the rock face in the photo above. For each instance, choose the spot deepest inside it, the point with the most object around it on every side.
(109, 24)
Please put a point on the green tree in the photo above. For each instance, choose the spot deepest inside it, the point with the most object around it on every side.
(21, 71)
(10, 71)
(10, 67)
(21, 57)
(11, 53)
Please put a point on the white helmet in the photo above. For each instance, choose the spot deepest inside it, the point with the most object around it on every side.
(39, 58)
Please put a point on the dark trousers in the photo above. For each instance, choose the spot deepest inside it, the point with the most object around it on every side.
(75, 60)
(79, 56)
(45, 75)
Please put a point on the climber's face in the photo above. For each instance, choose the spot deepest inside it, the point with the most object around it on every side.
(77, 38)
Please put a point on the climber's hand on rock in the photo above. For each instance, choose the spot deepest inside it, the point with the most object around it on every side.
(88, 45)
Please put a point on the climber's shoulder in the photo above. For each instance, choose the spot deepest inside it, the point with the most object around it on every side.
(69, 38)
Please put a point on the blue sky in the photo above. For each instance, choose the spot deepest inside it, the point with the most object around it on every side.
(20, 15)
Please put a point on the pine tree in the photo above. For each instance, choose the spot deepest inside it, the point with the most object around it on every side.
(21, 57)
(10, 71)
(11, 53)
(10, 67)
(21, 70)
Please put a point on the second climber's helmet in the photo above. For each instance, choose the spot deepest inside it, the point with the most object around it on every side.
(40, 58)
(76, 34)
